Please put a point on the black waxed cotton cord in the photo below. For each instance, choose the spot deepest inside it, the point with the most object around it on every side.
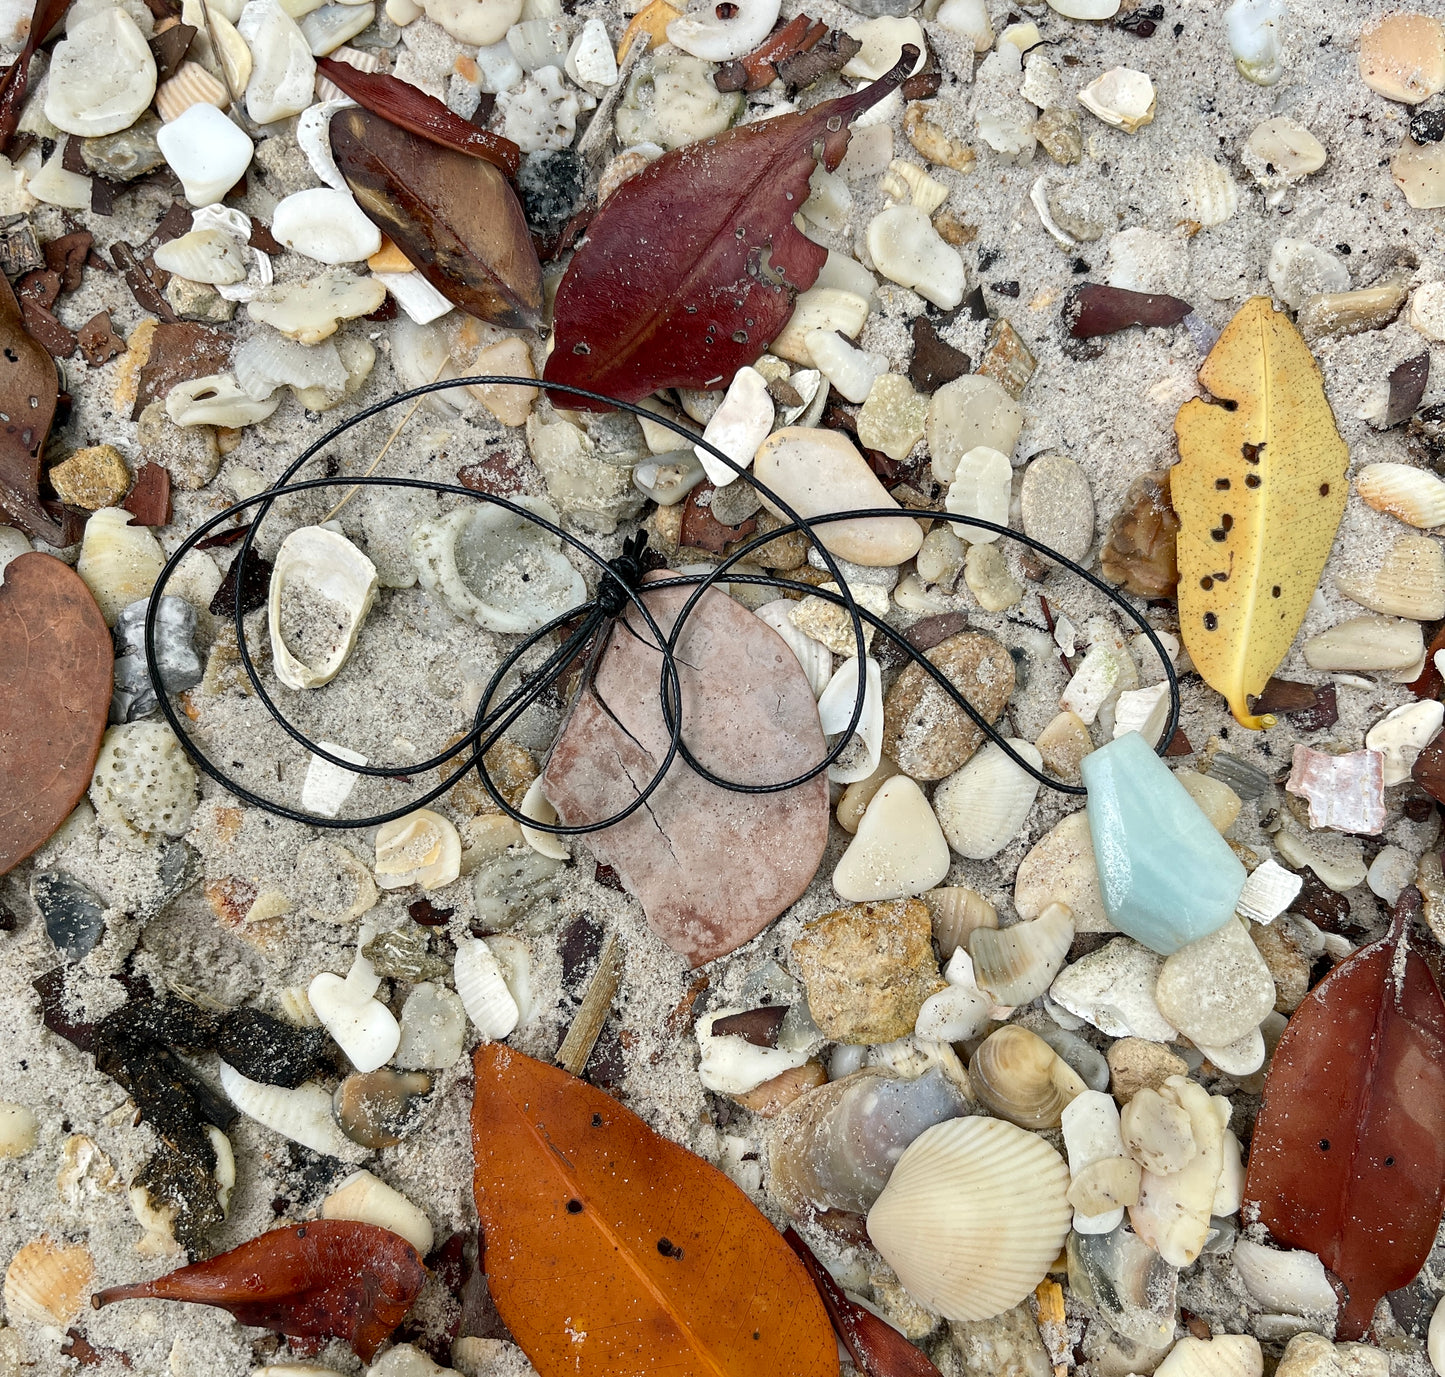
(621, 583)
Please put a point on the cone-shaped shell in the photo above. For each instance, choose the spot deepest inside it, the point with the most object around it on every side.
(1019, 1077)
(973, 1216)
(335, 585)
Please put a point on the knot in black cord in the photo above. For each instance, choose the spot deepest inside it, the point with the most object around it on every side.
(625, 574)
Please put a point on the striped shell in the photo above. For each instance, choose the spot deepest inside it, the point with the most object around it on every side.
(957, 911)
(303, 1115)
(1018, 1076)
(1224, 1355)
(1017, 964)
(973, 1216)
(1404, 491)
(1409, 583)
(982, 806)
(191, 85)
(483, 990)
(48, 1283)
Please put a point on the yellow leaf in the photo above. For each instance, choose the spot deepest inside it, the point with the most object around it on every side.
(1259, 491)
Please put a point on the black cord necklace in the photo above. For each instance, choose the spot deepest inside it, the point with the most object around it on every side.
(621, 585)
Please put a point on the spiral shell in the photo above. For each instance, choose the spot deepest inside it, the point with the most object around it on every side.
(972, 1216)
(1018, 1076)
(322, 587)
(1017, 964)
(48, 1283)
(1404, 491)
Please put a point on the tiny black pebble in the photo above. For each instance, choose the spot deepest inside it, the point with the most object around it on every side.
(1427, 126)
(1343, 248)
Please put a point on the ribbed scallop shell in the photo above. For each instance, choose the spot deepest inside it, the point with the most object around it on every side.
(265, 362)
(303, 1115)
(957, 911)
(1410, 582)
(1404, 491)
(813, 655)
(1019, 1077)
(191, 85)
(1017, 964)
(1225, 1355)
(48, 1283)
(1207, 194)
(973, 1216)
(332, 571)
(483, 989)
(982, 806)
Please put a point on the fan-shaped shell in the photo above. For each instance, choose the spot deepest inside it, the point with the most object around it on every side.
(321, 590)
(191, 85)
(957, 911)
(1019, 1077)
(973, 1216)
(497, 568)
(982, 806)
(1412, 494)
(1017, 964)
(47, 1283)
(1224, 1355)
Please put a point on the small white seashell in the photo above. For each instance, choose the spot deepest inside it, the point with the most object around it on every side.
(47, 1283)
(538, 42)
(514, 958)
(590, 61)
(143, 787)
(102, 75)
(203, 256)
(217, 400)
(883, 41)
(972, 1217)
(1337, 860)
(738, 426)
(1156, 1132)
(303, 1115)
(536, 805)
(1217, 989)
(703, 32)
(1404, 491)
(957, 911)
(1401, 735)
(322, 587)
(1409, 583)
(1242, 1057)
(1090, 1123)
(191, 85)
(363, 62)
(906, 249)
(954, 1014)
(53, 185)
(311, 311)
(825, 310)
(1096, 681)
(971, 412)
(1113, 988)
(206, 151)
(496, 568)
(483, 990)
(829, 203)
(812, 655)
(982, 806)
(1268, 892)
(283, 78)
(433, 1029)
(541, 113)
(851, 371)
(1294, 1283)
(1367, 643)
(1256, 38)
(1173, 1211)
(266, 362)
(1390, 872)
(118, 562)
(1060, 869)
(1017, 964)
(1299, 270)
(18, 1129)
(1229, 1193)
(731, 1065)
(324, 224)
(835, 711)
(1016, 1075)
(1144, 711)
(982, 486)
(416, 296)
(1281, 151)
(363, 1027)
(328, 28)
(898, 850)
(313, 137)
(422, 848)
(1223, 1355)
(367, 1198)
(1208, 195)
(1121, 97)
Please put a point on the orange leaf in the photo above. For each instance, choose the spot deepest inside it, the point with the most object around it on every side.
(610, 1249)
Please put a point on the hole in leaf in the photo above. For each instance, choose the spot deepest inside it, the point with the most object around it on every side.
(1251, 480)
(1210, 621)
(1206, 583)
(574, 1207)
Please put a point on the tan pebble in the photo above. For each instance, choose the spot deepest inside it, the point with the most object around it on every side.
(1402, 56)
(893, 416)
(1216, 800)
(868, 969)
(1061, 870)
(1063, 744)
(859, 794)
(1136, 1064)
(832, 624)
(953, 230)
(91, 478)
(1061, 133)
(1419, 172)
(1289, 967)
(18, 1129)
(932, 142)
(510, 404)
(379, 1108)
(923, 729)
(1007, 359)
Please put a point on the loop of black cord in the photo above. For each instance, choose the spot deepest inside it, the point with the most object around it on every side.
(620, 585)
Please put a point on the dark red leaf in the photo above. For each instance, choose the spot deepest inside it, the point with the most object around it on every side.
(180, 351)
(1093, 309)
(16, 78)
(1348, 1155)
(332, 1278)
(413, 110)
(454, 216)
(1284, 696)
(690, 268)
(67, 256)
(1178, 745)
(1428, 770)
(138, 278)
(877, 1349)
(59, 341)
(1430, 684)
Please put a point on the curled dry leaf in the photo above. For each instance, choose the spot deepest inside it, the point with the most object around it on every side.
(330, 1279)
(1348, 1154)
(654, 1261)
(15, 80)
(1259, 491)
(56, 662)
(690, 268)
(453, 216)
(412, 109)
(760, 67)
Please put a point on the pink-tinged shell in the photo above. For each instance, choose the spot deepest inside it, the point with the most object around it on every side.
(1345, 792)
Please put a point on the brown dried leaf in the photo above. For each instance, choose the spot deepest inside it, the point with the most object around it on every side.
(179, 351)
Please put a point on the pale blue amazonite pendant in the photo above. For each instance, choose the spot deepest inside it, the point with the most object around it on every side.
(1167, 877)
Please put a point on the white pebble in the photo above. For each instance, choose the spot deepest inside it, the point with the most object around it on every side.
(207, 151)
(325, 224)
(283, 77)
(102, 76)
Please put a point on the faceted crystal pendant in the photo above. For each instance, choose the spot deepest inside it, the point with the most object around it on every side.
(1167, 877)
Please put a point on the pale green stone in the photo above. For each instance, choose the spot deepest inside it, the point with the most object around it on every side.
(1167, 877)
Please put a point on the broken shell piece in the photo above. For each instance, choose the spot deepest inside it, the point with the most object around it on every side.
(483, 990)
(1268, 892)
(433, 1029)
(731, 1065)
(367, 1198)
(47, 1283)
(203, 256)
(510, 403)
(1060, 869)
(1221, 1355)
(313, 137)
(1121, 97)
(362, 1026)
(704, 32)
(102, 74)
(982, 486)
(1402, 56)
(536, 805)
(819, 308)
(1256, 38)
(310, 311)
(1412, 494)
(1113, 988)
(266, 362)
(327, 28)
(497, 568)
(955, 1014)
(1156, 1132)
(1090, 1123)
(1419, 172)
(217, 400)
(739, 425)
(815, 659)
(907, 182)
(1292, 1282)
(1017, 1076)
(19, 1129)
(982, 806)
(191, 85)
(906, 249)
(1337, 860)
(143, 786)
(324, 224)
(283, 78)
(1281, 151)
(423, 848)
(322, 587)
(852, 372)
(1380, 644)
(303, 1115)
(1401, 735)
(331, 884)
(957, 911)
(1017, 964)
(972, 1216)
(1345, 792)
(1410, 582)
(326, 787)
(118, 562)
